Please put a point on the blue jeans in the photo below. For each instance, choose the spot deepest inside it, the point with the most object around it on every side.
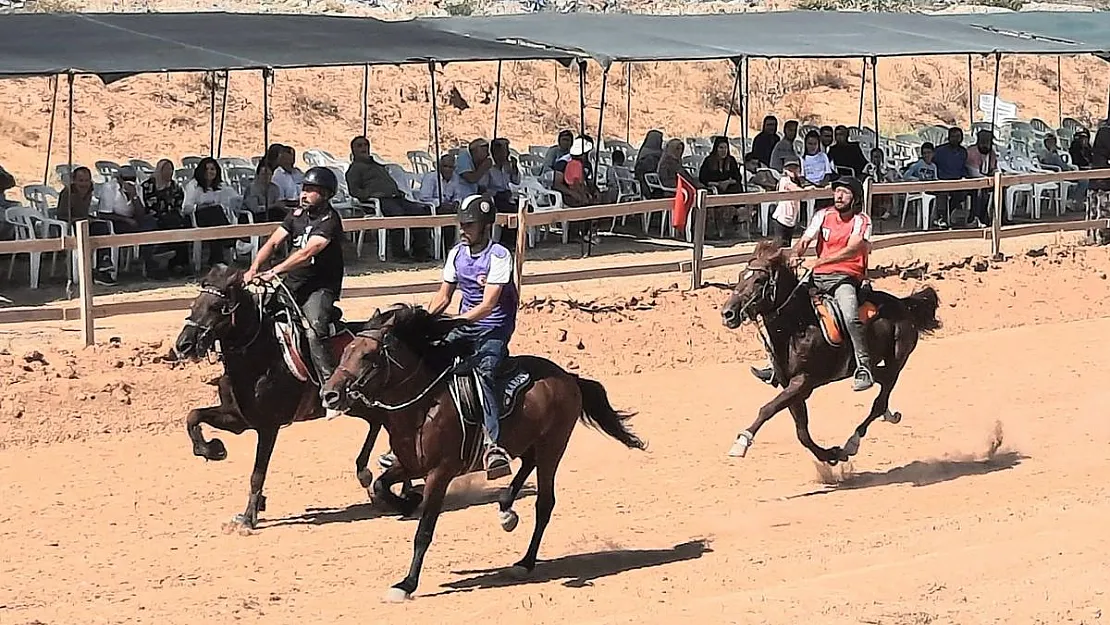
(490, 349)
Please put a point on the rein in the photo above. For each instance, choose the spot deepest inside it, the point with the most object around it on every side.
(361, 380)
(226, 311)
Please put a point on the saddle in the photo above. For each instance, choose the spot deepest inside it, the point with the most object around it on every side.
(513, 380)
(830, 319)
(291, 331)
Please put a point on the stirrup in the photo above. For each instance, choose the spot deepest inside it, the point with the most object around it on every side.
(499, 470)
(861, 383)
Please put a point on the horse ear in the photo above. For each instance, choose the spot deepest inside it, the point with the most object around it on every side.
(764, 249)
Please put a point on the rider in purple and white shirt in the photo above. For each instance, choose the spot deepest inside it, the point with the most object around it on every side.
(483, 270)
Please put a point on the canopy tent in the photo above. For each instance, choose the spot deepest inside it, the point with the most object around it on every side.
(1089, 29)
(111, 44)
(622, 37)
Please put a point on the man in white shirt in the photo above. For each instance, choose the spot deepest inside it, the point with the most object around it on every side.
(121, 202)
(285, 177)
(437, 187)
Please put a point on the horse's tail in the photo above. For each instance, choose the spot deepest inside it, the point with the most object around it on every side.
(922, 306)
(599, 413)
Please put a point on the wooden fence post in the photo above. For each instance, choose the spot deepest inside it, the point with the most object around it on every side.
(521, 246)
(996, 222)
(699, 239)
(84, 285)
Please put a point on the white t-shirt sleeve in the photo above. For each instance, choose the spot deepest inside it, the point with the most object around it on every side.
(861, 226)
(449, 266)
(814, 227)
(500, 266)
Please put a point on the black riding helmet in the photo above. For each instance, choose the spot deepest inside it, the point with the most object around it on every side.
(853, 185)
(477, 209)
(322, 177)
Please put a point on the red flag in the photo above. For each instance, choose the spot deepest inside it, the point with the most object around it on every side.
(683, 201)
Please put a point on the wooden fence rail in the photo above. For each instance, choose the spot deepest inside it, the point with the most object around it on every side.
(83, 244)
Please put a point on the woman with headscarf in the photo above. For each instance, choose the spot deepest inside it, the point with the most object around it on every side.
(647, 158)
(721, 173)
(1098, 194)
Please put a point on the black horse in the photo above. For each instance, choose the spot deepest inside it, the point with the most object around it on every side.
(257, 391)
(804, 359)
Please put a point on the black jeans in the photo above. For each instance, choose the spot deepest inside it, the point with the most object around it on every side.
(421, 237)
(317, 306)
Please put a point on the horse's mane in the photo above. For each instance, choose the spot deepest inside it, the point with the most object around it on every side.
(419, 330)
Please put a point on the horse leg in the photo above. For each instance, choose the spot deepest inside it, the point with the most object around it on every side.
(800, 412)
(887, 377)
(506, 514)
(548, 454)
(365, 476)
(796, 390)
(435, 488)
(267, 437)
(409, 500)
(219, 417)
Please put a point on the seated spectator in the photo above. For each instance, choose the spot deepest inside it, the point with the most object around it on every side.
(164, 197)
(121, 202)
(75, 204)
(817, 168)
(670, 165)
(647, 160)
(1080, 149)
(951, 164)
(982, 161)
(785, 147)
(280, 159)
(785, 217)
(1098, 200)
(764, 143)
(438, 188)
(557, 151)
(498, 181)
(574, 180)
(211, 203)
(758, 180)
(613, 176)
(367, 179)
(827, 138)
(1050, 155)
(471, 166)
(263, 197)
(924, 168)
(7, 181)
(878, 171)
(845, 153)
(293, 170)
(720, 172)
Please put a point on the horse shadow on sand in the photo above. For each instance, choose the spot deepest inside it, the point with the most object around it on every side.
(580, 570)
(461, 499)
(916, 473)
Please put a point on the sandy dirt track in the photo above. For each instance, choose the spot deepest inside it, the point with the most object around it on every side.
(987, 504)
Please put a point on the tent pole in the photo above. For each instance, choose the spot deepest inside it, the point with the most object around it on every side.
(875, 96)
(997, 73)
(435, 125)
(497, 102)
(1059, 92)
(50, 138)
(212, 113)
(365, 99)
(582, 97)
(732, 96)
(862, 90)
(265, 109)
(628, 105)
(223, 115)
(600, 120)
(70, 122)
(970, 95)
(742, 70)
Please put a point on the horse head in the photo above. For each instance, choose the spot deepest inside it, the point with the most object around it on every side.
(763, 285)
(212, 315)
(396, 345)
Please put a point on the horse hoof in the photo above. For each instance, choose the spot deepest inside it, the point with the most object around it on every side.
(518, 571)
(740, 447)
(509, 520)
(396, 595)
(851, 447)
(892, 417)
(212, 450)
(366, 479)
(240, 525)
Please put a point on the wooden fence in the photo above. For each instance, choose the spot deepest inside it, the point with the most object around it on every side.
(83, 244)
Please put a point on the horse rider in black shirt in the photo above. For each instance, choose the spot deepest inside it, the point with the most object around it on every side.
(313, 272)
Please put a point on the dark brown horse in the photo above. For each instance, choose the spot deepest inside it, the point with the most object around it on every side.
(257, 390)
(399, 363)
(802, 357)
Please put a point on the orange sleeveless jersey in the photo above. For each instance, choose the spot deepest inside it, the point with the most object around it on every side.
(832, 234)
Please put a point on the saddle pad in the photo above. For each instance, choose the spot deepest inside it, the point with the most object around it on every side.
(514, 382)
(832, 326)
(290, 352)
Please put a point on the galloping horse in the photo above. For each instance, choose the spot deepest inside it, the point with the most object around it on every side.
(805, 348)
(434, 423)
(258, 390)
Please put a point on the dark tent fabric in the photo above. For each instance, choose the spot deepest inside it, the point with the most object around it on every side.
(1089, 28)
(786, 34)
(108, 44)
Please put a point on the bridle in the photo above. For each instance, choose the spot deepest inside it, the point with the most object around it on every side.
(228, 310)
(769, 292)
(385, 341)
